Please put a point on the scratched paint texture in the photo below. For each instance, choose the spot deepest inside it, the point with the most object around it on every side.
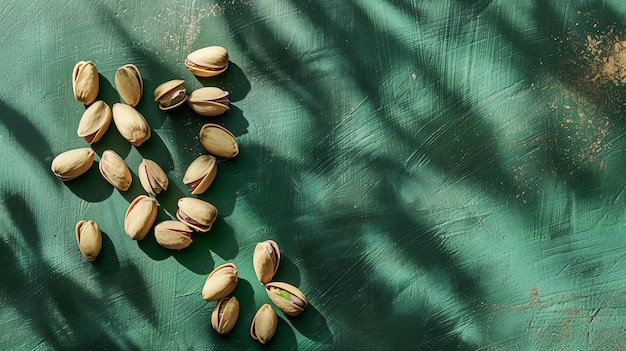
(439, 175)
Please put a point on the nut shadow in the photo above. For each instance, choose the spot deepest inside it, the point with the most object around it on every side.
(312, 324)
(91, 186)
(232, 80)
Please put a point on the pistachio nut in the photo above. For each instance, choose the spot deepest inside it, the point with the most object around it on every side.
(209, 101)
(129, 84)
(170, 94)
(85, 82)
(95, 122)
(140, 217)
(72, 163)
(221, 282)
(131, 124)
(196, 213)
(225, 315)
(286, 297)
(114, 170)
(173, 235)
(152, 177)
(207, 62)
(89, 239)
(264, 324)
(218, 141)
(266, 259)
(200, 174)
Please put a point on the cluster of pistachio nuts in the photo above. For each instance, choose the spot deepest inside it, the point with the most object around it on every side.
(192, 214)
(222, 281)
(217, 141)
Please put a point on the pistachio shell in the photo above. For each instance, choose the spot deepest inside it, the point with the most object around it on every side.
(218, 141)
(85, 82)
(170, 94)
(264, 324)
(95, 122)
(152, 177)
(131, 124)
(207, 62)
(286, 297)
(72, 163)
(209, 101)
(114, 170)
(225, 315)
(173, 235)
(220, 283)
(200, 174)
(129, 84)
(196, 213)
(140, 217)
(89, 239)
(266, 259)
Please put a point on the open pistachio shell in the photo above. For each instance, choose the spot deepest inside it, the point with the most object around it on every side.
(140, 217)
(220, 282)
(266, 259)
(264, 324)
(173, 235)
(225, 315)
(170, 94)
(114, 170)
(152, 177)
(95, 122)
(89, 239)
(200, 174)
(196, 213)
(72, 163)
(286, 297)
(85, 82)
(209, 101)
(129, 84)
(218, 141)
(131, 124)
(207, 62)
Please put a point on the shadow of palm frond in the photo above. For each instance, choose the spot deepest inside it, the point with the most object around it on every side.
(65, 313)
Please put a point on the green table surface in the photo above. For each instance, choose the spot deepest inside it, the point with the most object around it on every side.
(439, 175)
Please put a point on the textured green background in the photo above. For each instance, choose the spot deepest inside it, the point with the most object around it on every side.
(439, 175)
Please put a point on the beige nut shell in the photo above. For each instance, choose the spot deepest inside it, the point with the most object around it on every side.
(173, 235)
(224, 322)
(89, 239)
(114, 170)
(140, 217)
(221, 282)
(152, 177)
(264, 324)
(131, 124)
(196, 213)
(264, 265)
(85, 82)
(206, 101)
(129, 84)
(218, 141)
(166, 88)
(207, 62)
(200, 174)
(95, 122)
(288, 307)
(72, 163)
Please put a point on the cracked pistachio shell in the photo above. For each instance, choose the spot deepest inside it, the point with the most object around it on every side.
(286, 297)
(72, 163)
(140, 217)
(225, 315)
(266, 259)
(264, 324)
(152, 177)
(170, 94)
(114, 170)
(131, 124)
(207, 62)
(209, 101)
(200, 174)
(129, 84)
(196, 213)
(95, 122)
(220, 283)
(89, 239)
(173, 235)
(85, 82)
(218, 141)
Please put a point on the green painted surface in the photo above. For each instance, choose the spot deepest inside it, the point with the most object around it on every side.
(439, 175)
